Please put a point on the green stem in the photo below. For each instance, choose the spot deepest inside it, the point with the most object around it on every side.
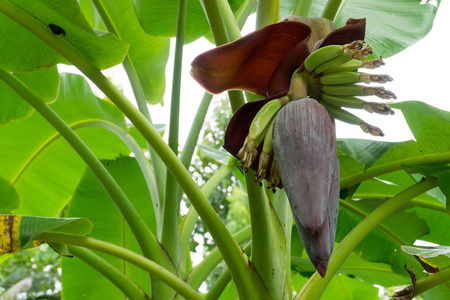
(127, 63)
(170, 237)
(122, 134)
(267, 12)
(194, 133)
(302, 8)
(315, 286)
(142, 161)
(231, 25)
(244, 11)
(127, 286)
(141, 100)
(127, 255)
(147, 241)
(216, 21)
(224, 278)
(269, 239)
(431, 281)
(191, 217)
(207, 265)
(429, 205)
(331, 9)
(189, 221)
(158, 167)
(389, 167)
(389, 232)
(237, 99)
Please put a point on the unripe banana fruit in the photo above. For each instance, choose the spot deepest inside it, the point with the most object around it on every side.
(258, 128)
(353, 77)
(353, 50)
(341, 59)
(355, 102)
(355, 64)
(345, 116)
(357, 90)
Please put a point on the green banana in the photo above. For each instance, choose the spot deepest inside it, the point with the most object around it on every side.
(353, 77)
(354, 50)
(339, 60)
(357, 90)
(258, 129)
(322, 55)
(343, 101)
(355, 102)
(355, 64)
(326, 53)
(345, 116)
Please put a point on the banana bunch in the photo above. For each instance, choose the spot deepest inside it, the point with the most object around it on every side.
(332, 77)
(291, 140)
(260, 131)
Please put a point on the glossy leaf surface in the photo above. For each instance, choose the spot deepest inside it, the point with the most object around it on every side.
(47, 170)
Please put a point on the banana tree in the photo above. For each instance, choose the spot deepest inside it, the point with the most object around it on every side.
(95, 179)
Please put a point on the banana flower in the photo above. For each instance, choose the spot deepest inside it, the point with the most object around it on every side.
(305, 74)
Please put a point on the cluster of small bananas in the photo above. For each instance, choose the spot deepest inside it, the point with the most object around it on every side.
(260, 131)
(329, 75)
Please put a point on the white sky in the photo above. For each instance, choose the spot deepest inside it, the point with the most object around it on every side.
(419, 72)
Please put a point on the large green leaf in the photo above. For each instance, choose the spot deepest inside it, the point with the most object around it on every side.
(104, 50)
(383, 243)
(92, 201)
(371, 272)
(230, 292)
(17, 231)
(345, 287)
(431, 129)
(390, 33)
(217, 154)
(391, 24)
(438, 222)
(365, 152)
(44, 83)
(427, 251)
(388, 185)
(342, 287)
(444, 180)
(41, 165)
(159, 17)
(147, 56)
(428, 124)
(10, 199)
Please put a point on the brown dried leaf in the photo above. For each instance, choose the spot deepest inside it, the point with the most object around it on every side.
(408, 292)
